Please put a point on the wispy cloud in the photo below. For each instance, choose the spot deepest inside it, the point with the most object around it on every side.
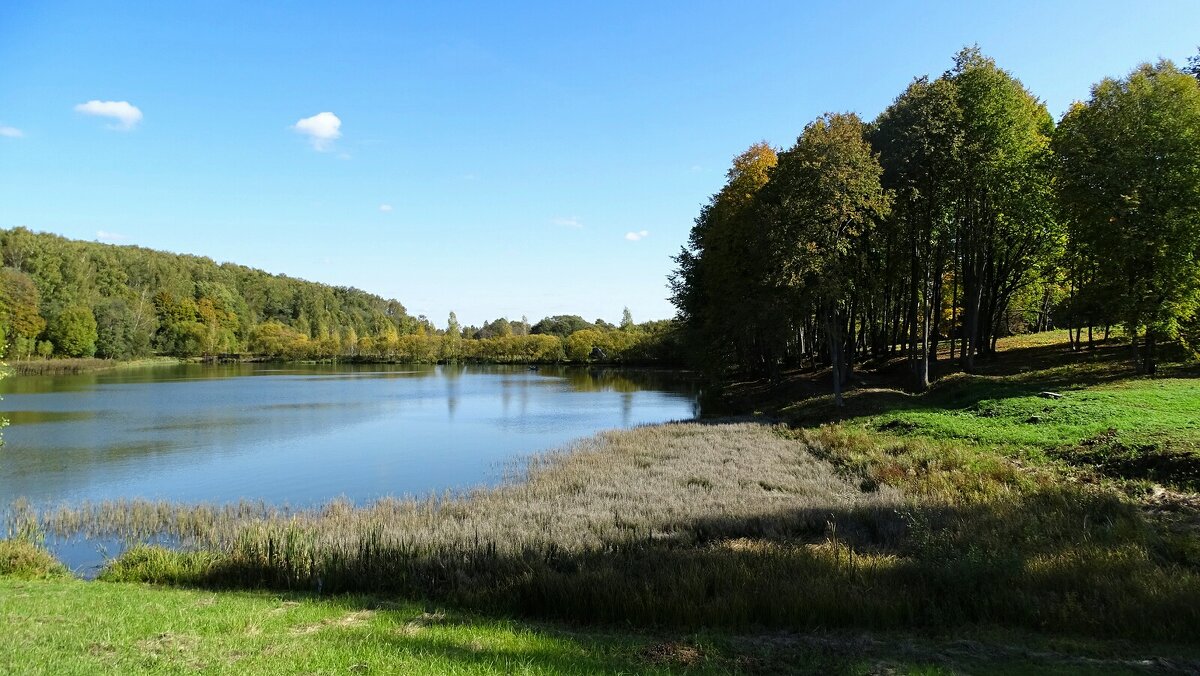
(10, 132)
(110, 237)
(567, 221)
(321, 129)
(635, 236)
(385, 208)
(124, 113)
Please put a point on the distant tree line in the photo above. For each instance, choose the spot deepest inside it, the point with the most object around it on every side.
(962, 213)
(68, 298)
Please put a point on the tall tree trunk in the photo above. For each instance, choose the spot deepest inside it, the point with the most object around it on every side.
(1151, 367)
(833, 331)
(926, 307)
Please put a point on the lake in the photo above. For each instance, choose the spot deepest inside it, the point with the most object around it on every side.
(303, 435)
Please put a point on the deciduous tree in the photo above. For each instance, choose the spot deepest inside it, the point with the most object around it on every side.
(1129, 184)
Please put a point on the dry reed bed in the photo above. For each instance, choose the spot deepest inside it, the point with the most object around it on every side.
(681, 484)
(694, 524)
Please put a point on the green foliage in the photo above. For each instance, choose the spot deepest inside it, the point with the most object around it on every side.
(919, 138)
(119, 333)
(4, 373)
(821, 204)
(181, 305)
(561, 325)
(721, 285)
(802, 264)
(73, 332)
(496, 328)
(626, 320)
(1129, 185)
(127, 302)
(277, 340)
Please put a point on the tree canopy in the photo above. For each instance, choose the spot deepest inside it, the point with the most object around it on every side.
(959, 214)
(60, 297)
(1129, 187)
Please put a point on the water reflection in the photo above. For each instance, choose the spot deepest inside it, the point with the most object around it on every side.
(306, 434)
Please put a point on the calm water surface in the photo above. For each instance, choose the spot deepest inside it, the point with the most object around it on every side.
(302, 435)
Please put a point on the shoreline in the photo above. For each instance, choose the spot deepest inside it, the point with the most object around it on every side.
(57, 367)
(36, 367)
(709, 524)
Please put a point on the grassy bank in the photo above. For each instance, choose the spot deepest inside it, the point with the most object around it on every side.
(64, 626)
(721, 525)
(1036, 401)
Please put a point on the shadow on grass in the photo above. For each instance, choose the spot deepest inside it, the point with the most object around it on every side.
(885, 385)
(1066, 560)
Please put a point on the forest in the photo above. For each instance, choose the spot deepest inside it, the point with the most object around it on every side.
(67, 298)
(963, 213)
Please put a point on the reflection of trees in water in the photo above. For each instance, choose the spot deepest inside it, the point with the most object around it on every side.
(85, 382)
(623, 380)
(97, 431)
(451, 374)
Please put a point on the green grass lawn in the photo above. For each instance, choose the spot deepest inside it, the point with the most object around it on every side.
(1003, 412)
(65, 626)
(1039, 400)
(73, 627)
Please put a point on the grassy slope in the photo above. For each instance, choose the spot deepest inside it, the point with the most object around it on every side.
(1107, 417)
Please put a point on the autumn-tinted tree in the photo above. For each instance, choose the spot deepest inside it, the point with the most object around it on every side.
(20, 316)
(821, 204)
(720, 286)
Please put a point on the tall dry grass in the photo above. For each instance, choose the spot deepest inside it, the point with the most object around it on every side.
(713, 524)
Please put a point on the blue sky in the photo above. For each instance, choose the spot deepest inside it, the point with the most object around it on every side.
(499, 159)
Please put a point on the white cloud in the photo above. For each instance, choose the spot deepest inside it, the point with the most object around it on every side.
(110, 237)
(321, 129)
(385, 208)
(10, 132)
(635, 236)
(567, 222)
(125, 113)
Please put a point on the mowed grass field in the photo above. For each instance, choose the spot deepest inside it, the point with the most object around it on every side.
(74, 627)
(68, 627)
